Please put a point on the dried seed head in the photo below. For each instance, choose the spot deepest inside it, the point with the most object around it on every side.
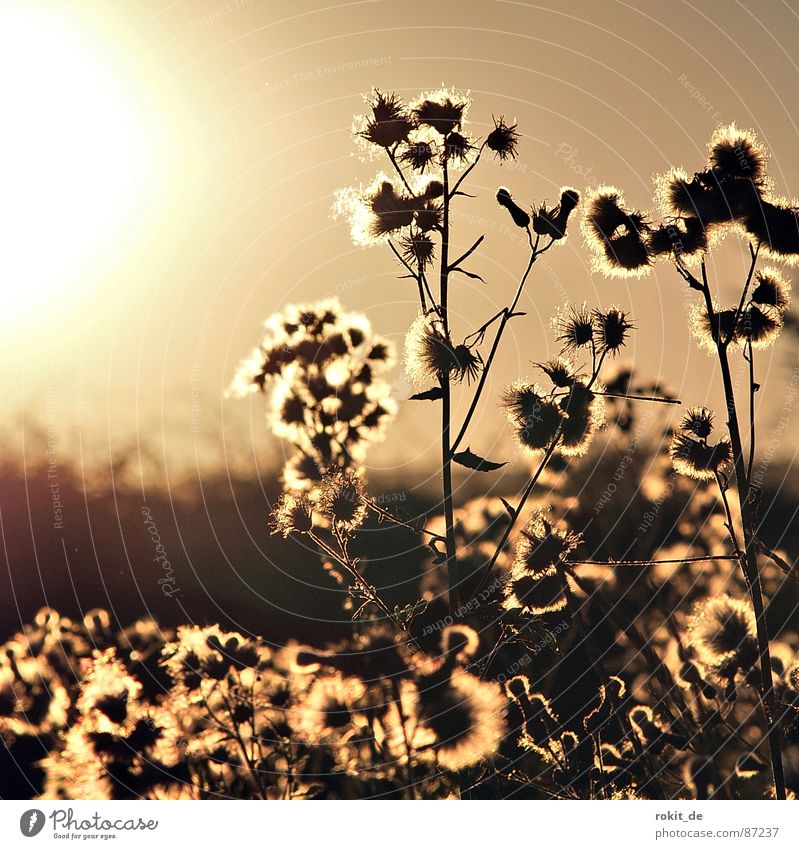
(560, 371)
(541, 545)
(575, 327)
(707, 331)
(772, 289)
(685, 237)
(584, 414)
(553, 222)
(418, 155)
(442, 110)
(722, 632)
(341, 499)
(429, 355)
(519, 216)
(698, 421)
(293, 514)
(616, 237)
(418, 250)
(389, 122)
(467, 717)
(761, 325)
(534, 418)
(457, 148)
(610, 330)
(697, 459)
(503, 139)
(536, 594)
(737, 154)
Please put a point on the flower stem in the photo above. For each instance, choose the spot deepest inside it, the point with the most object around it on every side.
(453, 577)
(749, 553)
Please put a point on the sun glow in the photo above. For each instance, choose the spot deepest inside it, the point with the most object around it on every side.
(75, 156)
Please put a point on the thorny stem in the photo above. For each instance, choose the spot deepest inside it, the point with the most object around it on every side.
(749, 553)
(390, 517)
(352, 570)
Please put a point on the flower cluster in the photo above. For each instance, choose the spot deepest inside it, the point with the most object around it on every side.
(692, 454)
(421, 139)
(731, 194)
(569, 413)
(323, 370)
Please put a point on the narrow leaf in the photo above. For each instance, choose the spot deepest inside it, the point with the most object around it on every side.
(469, 274)
(472, 461)
(434, 394)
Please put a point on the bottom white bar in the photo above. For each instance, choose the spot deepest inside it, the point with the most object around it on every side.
(385, 826)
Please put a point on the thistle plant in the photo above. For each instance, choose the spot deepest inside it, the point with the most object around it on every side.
(730, 196)
(543, 653)
(430, 155)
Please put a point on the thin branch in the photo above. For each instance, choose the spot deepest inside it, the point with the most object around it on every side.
(505, 316)
(783, 564)
(448, 195)
(700, 559)
(392, 157)
(753, 253)
(656, 398)
(389, 516)
(467, 254)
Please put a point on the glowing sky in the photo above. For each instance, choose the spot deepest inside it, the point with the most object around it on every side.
(172, 166)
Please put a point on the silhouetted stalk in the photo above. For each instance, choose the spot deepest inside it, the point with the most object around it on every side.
(749, 553)
(453, 576)
(750, 358)
(517, 511)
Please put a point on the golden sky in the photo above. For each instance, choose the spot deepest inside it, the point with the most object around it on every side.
(172, 167)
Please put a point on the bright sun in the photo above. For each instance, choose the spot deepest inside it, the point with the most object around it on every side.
(73, 154)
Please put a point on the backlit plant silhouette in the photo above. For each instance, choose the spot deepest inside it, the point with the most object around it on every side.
(730, 195)
(545, 650)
